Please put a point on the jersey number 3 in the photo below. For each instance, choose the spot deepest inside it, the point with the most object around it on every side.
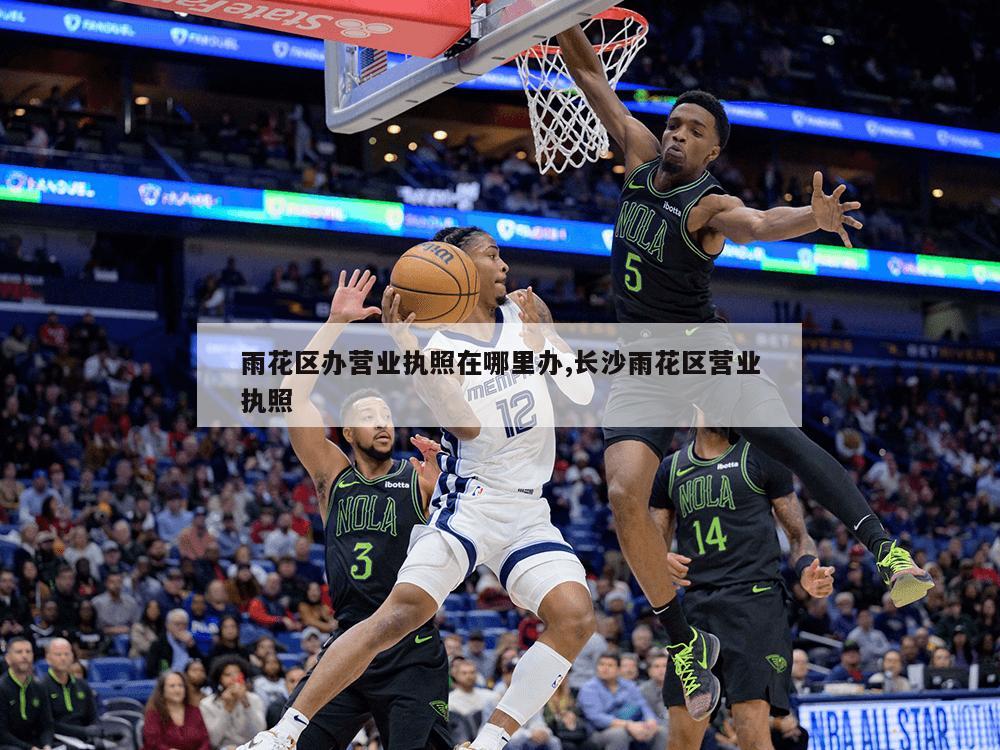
(363, 570)
(633, 277)
(522, 420)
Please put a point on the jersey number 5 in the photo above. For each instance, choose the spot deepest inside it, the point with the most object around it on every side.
(362, 571)
(633, 278)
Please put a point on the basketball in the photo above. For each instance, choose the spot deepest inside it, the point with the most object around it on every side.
(437, 281)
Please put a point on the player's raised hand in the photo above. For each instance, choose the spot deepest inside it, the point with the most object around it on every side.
(817, 580)
(530, 315)
(677, 566)
(830, 213)
(348, 302)
(399, 328)
(428, 451)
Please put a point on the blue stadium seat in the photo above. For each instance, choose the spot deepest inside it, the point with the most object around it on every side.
(481, 619)
(292, 642)
(291, 660)
(492, 635)
(140, 690)
(112, 669)
(139, 666)
(249, 633)
(7, 550)
(317, 554)
(456, 603)
(120, 644)
(266, 564)
(41, 667)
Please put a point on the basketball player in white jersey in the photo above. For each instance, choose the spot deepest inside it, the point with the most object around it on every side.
(488, 510)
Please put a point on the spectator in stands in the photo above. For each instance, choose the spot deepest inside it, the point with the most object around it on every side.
(312, 641)
(270, 683)
(230, 276)
(55, 517)
(46, 626)
(175, 648)
(873, 643)
(890, 679)
(477, 653)
(141, 583)
(173, 519)
(228, 641)
(171, 722)
(15, 612)
(564, 720)
(71, 700)
(233, 713)
(16, 342)
(146, 630)
(263, 526)
(217, 603)
(26, 719)
(194, 540)
(80, 546)
(88, 639)
(281, 541)
(242, 588)
(304, 566)
(849, 669)
(205, 629)
(197, 680)
(801, 684)
(270, 609)
(263, 647)
(846, 618)
(277, 707)
(617, 711)
(314, 612)
(31, 500)
(469, 706)
(53, 335)
(64, 594)
(31, 588)
(230, 536)
(652, 689)
(112, 553)
(172, 595)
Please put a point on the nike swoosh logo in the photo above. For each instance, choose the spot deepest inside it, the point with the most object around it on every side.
(690, 331)
(346, 484)
(423, 639)
(858, 524)
(757, 589)
(299, 720)
(704, 653)
(633, 186)
(688, 470)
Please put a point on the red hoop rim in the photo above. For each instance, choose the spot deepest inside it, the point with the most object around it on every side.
(611, 14)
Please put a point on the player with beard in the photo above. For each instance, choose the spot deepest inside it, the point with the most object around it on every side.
(674, 219)
(369, 509)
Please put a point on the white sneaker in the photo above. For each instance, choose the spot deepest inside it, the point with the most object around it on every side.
(268, 740)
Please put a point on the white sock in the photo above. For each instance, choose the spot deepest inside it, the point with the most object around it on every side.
(535, 679)
(291, 724)
(490, 737)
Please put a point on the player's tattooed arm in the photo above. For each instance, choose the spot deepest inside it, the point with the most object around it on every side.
(718, 217)
(322, 458)
(817, 580)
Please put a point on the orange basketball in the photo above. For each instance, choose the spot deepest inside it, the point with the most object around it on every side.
(437, 281)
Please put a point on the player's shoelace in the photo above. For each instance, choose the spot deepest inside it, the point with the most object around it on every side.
(896, 560)
(683, 660)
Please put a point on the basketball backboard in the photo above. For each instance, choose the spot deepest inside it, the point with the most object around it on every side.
(499, 30)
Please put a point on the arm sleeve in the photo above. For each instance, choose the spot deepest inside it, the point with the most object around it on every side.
(590, 704)
(768, 475)
(659, 496)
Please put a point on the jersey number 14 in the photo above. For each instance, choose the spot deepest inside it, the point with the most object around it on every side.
(714, 537)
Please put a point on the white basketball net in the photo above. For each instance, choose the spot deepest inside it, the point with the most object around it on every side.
(567, 131)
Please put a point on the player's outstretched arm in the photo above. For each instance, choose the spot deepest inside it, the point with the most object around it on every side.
(427, 468)
(322, 458)
(717, 217)
(635, 139)
(817, 580)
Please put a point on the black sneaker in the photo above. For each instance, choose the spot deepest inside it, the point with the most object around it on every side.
(693, 662)
(907, 583)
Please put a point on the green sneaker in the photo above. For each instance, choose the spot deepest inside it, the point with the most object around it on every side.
(907, 583)
(693, 662)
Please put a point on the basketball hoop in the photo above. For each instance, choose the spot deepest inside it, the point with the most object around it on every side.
(567, 131)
